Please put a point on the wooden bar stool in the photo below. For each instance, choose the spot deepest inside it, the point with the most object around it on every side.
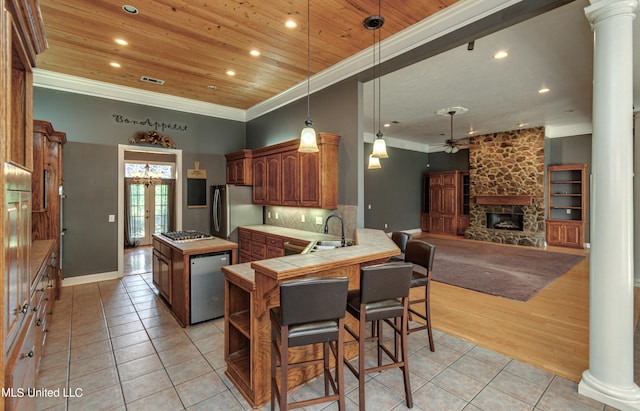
(383, 296)
(311, 311)
(421, 254)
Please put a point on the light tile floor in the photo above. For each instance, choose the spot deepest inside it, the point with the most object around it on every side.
(116, 343)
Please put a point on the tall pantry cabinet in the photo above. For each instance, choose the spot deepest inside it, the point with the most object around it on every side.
(21, 38)
(445, 202)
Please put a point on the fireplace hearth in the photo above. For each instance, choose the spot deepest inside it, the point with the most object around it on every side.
(499, 221)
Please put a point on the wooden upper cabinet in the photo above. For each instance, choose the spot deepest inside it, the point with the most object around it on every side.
(274, 179)
(309, 173)
(47, 165)
(260, 180)
(290, 161)
(283, 176)
(239, 168)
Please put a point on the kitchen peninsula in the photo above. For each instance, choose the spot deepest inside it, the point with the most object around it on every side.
(251, 289)
(172, 269)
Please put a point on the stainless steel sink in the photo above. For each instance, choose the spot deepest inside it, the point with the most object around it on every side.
(328, 245)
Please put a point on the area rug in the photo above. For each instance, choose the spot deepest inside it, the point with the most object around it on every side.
(514, 272)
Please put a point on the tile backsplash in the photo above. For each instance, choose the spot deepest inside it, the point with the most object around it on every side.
(314, 219)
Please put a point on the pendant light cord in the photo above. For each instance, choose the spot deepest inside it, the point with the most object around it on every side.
(308, 59)
(379, 62)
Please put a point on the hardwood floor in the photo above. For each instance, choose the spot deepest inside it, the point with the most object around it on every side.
(137, 260)
(550, 331)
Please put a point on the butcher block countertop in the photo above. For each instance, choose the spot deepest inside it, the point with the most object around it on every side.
(197, 247)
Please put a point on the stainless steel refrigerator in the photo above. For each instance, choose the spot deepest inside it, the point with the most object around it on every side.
(232, 206)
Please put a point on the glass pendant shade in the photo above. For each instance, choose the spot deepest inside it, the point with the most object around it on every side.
(380, 148)
(308, 143)
(454, 149)
(374, 162)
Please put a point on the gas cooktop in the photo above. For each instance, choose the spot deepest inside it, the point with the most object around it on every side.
(186, 235)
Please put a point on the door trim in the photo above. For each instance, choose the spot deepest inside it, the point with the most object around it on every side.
(122, 148)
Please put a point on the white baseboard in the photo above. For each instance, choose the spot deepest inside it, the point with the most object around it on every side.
(91, 278)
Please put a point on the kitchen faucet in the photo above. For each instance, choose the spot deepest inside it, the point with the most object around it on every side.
(326, 226)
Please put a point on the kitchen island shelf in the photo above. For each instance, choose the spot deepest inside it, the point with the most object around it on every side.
(241, 321)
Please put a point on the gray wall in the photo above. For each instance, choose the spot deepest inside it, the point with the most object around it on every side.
(91, 160)
(395, 190)
(335, 109)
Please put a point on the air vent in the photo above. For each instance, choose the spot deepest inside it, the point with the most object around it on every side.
(152, 80)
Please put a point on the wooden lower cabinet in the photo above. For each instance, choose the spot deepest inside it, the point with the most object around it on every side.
(255, 245)
(565, 233)
(23, 354)
(20, 375)
(162, 274)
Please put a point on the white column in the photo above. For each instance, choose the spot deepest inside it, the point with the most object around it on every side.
(636, 197)
(609, 378)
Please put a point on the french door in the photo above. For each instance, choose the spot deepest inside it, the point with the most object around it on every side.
(148, 205)
(149, 211)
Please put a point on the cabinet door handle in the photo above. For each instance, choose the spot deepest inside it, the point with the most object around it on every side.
(39, 322)
(25, 308)
(30, 354)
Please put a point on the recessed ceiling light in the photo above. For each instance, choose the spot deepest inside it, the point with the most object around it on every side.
(114, 64)
(290, 24)
(231, 73)
(471, 132)
(543, 90)
(130, 9)
(500, 54)
(254, 53)
(387, 125)
(121, 42)
(522, 124)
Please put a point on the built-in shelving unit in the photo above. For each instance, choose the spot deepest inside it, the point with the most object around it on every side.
(566, 205)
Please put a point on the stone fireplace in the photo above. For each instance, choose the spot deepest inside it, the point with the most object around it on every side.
(506, 176)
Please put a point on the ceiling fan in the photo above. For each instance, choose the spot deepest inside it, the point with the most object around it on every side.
(451, 145)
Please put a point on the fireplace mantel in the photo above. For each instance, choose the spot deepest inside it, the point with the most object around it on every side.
(505, 200)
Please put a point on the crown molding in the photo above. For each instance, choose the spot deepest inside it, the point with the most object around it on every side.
(80, 85)
(569, 130)
(398, 143)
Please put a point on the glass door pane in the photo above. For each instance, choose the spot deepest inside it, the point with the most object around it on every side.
(138, 211)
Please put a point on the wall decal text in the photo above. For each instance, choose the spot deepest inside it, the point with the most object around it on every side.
(158, 126)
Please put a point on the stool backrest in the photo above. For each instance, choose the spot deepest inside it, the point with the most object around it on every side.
(313, 299)
(421, 253)
(400, 238)
(385, 281)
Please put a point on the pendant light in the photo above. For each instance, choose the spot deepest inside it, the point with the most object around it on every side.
(374, 162)
(375, 23)
(308, 143)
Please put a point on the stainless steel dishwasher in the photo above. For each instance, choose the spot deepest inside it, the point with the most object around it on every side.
(207, 286)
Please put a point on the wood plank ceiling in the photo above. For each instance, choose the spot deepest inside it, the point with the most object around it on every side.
(192, 44)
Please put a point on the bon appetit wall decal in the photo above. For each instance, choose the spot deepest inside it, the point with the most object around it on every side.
(157, 125)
